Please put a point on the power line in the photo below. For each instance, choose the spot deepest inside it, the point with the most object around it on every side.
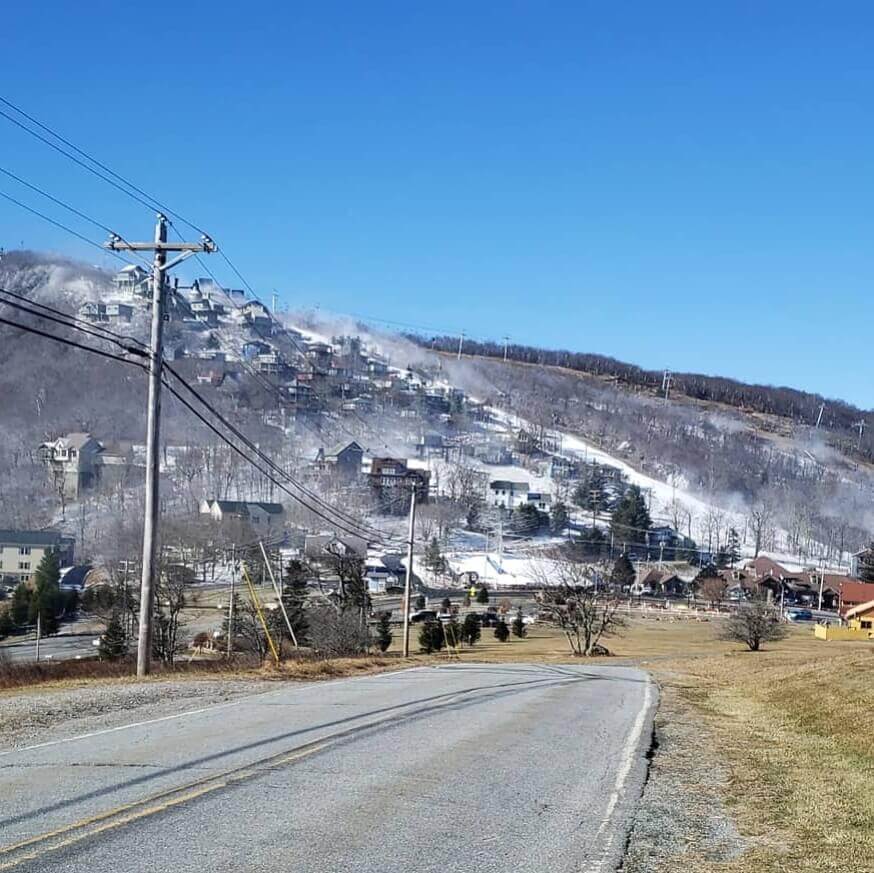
(62, 203)
(361, 532)
(64, 227)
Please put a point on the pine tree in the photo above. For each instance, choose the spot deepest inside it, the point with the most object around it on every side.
(46, 601)
(433, 557)
(7, 625)
(20, 607)
(559, 519)
(732, 547)
(113, 643)
(431, 637)
(528, 519)
(294, 597)
(518, 626)
(502, 632)
(471, 629)
(420, 601)
(384, 635)
(622, 575)
(866, 564)
(482, 596)
(630, 520)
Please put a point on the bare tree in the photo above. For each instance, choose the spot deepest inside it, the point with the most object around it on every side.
(761, 524)
(571, 601)
(754, 623)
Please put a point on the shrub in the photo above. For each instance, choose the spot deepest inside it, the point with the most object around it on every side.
(431, 637)
(502, 632)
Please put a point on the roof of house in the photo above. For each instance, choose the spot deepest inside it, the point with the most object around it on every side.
(77, 440)
(508, 485)
(342, 447)
(31, 537)
(860, 609)
(242, 506)
(764, 566)
(853, 593)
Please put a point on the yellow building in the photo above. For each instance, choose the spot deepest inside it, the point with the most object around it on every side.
(22, 550)
(860, 625)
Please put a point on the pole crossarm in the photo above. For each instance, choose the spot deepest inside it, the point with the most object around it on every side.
(117, 244)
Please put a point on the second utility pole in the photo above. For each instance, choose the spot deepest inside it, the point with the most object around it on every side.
(409, 577)
(160, 267)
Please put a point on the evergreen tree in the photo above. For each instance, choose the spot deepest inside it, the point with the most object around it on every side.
(482, 596)
(294, 597)
(622, 575)
(502, 632)
(433, 557)
(527, 520)
(559, 518)
(630, 520)
(20, 608)
(431, 637)
(518, 626)
(46, 601)
(384, 635)
(866, 564)
(113, 643)
(7, 625)
(471, 628)
(420, 601)
(732, 547)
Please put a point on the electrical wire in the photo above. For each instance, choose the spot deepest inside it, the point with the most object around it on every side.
(62, 226)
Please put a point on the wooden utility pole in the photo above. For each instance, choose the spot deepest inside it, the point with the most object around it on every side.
(230, 639)
(460, 344)
(160, 268)
(408, 580)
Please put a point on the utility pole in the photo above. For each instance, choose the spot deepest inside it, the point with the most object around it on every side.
(667, 382)
(408, 581)
(38, 633)
(277, 588)
(506, 345)
(273, 301)
(460, 344)
(231, 603)
(861, 425)
(160, 269)
(819, 417)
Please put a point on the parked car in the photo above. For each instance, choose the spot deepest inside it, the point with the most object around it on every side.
(799, 615)
(423, 615)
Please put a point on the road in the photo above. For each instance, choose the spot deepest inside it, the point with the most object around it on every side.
(454, 768)
(57, 648)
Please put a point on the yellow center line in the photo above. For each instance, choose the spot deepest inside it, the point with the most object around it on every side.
(115, 818)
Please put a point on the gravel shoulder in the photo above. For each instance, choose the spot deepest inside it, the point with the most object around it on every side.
(39, 715)
(681, 822)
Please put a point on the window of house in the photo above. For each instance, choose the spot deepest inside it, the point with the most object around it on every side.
(24, 550)
(24, 565)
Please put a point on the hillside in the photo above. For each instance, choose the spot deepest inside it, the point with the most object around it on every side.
(295, 385)
(796, 408)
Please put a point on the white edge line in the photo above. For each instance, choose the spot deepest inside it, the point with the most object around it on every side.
(212, 707)
(628, 755)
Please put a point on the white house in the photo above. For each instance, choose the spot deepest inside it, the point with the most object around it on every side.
(262, 516)
(507, 493)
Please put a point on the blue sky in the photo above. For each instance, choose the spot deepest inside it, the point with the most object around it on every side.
(673, 184)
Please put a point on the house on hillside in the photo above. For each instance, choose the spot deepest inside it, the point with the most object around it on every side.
(72, 461)
(262, 516)
(322, 546)
(507, 494)
(22, 550)
(343, 461)
(431, 445)
(392, 479)
(257, 316)
(107, 313)
(132, 281)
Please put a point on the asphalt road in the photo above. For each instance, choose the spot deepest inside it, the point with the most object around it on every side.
(58, 648)
(455, 768)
